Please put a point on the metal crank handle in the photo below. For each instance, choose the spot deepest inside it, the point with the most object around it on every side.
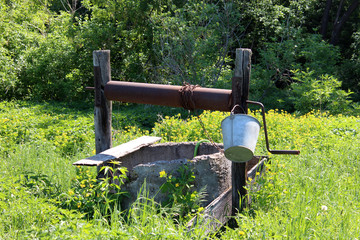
(296, 152)
(266, 135)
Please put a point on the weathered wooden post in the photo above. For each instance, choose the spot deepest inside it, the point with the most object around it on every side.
(240, 92)
(103, 107)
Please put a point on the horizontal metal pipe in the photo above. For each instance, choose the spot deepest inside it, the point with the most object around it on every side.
(167, 95)
(90, 88)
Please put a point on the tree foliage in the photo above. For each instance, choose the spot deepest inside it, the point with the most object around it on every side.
(46, 46)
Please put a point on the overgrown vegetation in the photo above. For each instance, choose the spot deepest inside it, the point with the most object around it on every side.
(305, 62)
(313, 195)
(95, 197)
(182, 198)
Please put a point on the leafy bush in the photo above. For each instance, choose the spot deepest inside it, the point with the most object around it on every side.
(192, 43)
(273, 75)
(46, 47)
(180, 193)
(50, 71)
(8, 74)
(39, 53)
(349, 71)
(323, 93)
(22, 123)
(95, 197)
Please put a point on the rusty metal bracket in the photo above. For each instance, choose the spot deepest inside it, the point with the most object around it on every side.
(266, 134)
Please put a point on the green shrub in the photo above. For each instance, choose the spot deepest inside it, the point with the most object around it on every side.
(92, 196)
(22, 123)
(181, 194)
(39, 185)
(192, 42)
(8, 74)
(273, 74)
(323, 93)
(349, 70)
(53, 69)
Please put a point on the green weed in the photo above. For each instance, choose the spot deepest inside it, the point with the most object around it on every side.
(312, 195)
(67, 132)
(91, 196)
(180, 193)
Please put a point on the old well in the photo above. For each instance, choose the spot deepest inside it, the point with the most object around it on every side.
(211, 169)
(145, 160)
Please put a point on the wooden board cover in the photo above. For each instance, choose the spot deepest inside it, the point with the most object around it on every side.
(218, 212)
(118, 151)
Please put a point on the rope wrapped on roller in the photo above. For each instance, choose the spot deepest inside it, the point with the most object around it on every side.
(187, 101)
(187, 93)
(188, 96)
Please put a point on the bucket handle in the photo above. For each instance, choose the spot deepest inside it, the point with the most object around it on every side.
(266, 135)
(232, 112)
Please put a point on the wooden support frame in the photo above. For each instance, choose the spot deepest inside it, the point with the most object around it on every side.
(240, 92)
(236, 99)
(103, 107)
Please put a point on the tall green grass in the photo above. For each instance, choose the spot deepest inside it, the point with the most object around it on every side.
(314, 195)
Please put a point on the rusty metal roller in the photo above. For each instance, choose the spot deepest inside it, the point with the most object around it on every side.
(167, 95)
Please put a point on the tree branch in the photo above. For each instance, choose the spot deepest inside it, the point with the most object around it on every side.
(338, 12)
(338, 25)
(325, 19)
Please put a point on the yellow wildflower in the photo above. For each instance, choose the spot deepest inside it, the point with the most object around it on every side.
(162, 174)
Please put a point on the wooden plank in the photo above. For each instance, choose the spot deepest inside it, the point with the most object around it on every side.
(257, 168)
(103, 107)
(215, 215)
(240, 92)
(218, 212)
(118, 152)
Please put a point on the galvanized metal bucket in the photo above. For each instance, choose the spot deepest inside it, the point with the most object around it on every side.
(240, 134)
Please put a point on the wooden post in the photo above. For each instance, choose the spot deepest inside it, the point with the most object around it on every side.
(103, 107)
(240, 92)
